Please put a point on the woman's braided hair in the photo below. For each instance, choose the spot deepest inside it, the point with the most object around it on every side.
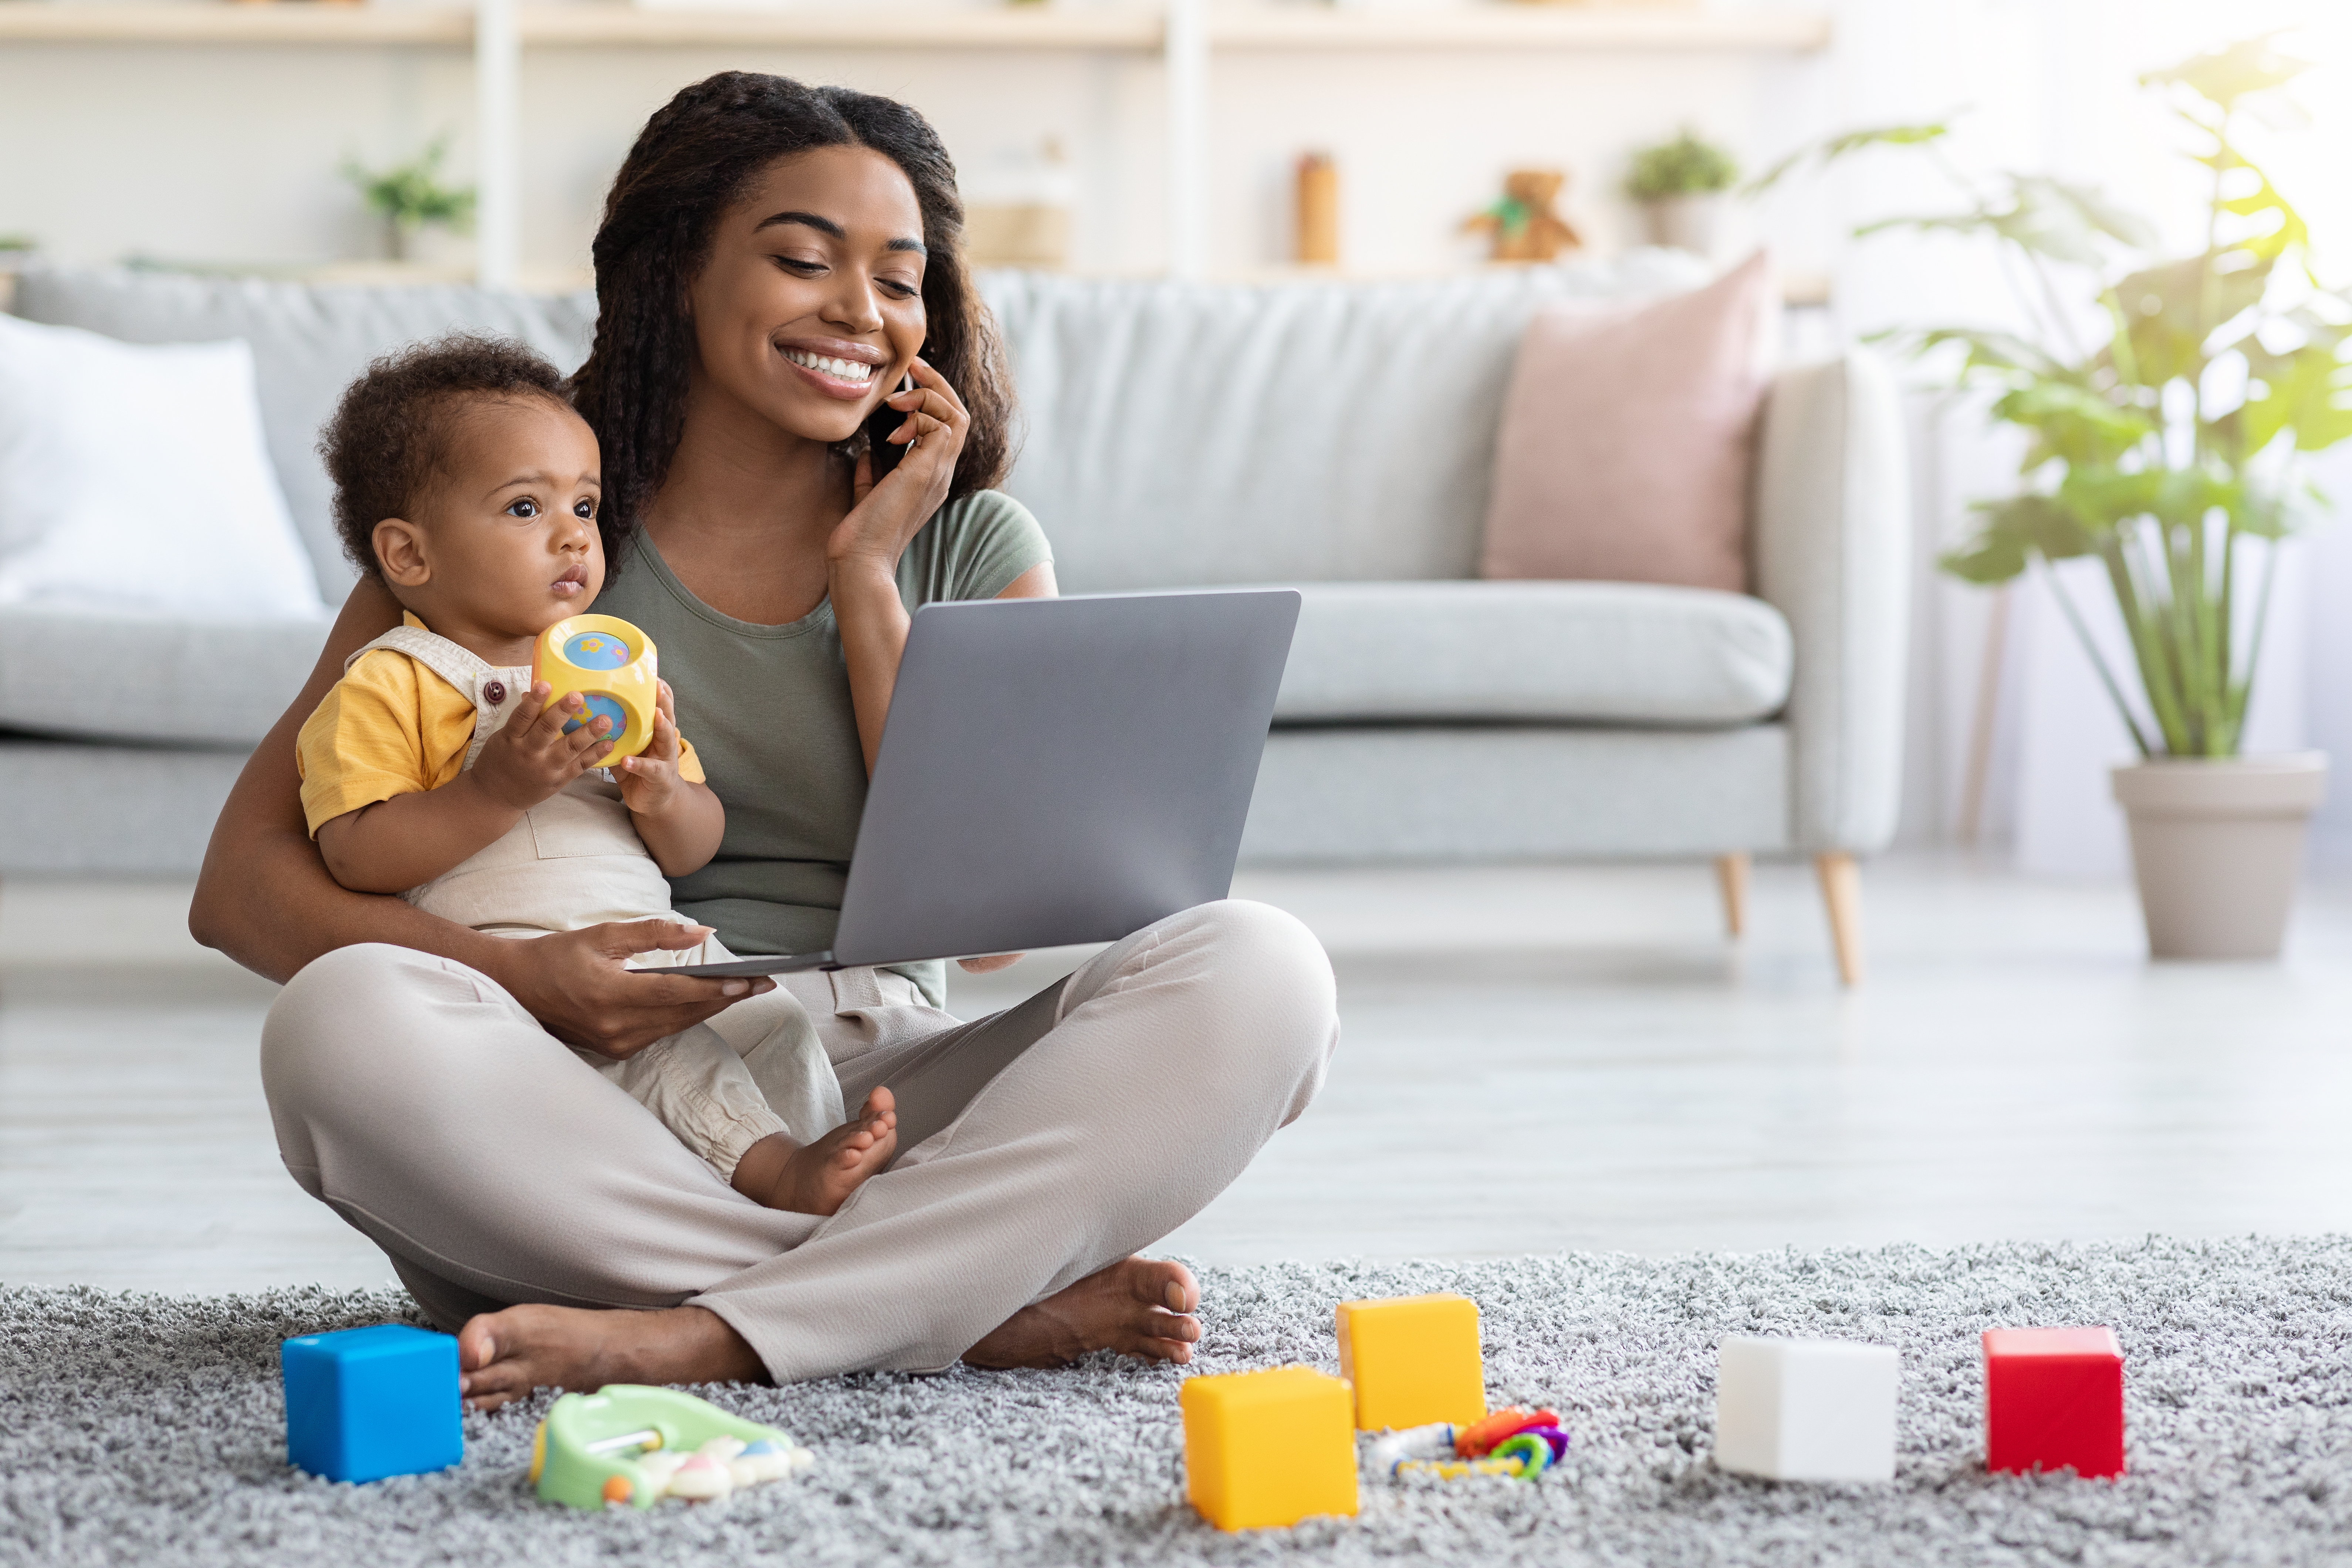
(690, 162)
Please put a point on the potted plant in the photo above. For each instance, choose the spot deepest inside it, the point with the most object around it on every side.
(411, 197)
(2168, 404)
(1680, 185)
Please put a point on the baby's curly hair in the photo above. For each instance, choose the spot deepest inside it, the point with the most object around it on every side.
(390, 434)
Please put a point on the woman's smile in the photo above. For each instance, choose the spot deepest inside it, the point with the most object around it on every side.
(836, 368)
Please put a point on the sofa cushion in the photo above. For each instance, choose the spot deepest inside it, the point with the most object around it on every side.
(195, 520)
(308, 342)
(1284, 432)
(1627, 436)
(1609, 653)
(157, 678)
(1172, 432)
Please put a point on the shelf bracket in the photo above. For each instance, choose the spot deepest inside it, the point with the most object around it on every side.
(1184, 52)
(497, 68)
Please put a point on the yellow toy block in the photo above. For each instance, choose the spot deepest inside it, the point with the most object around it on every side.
(1413, 1360)
(1268, 1448)
(612, 664)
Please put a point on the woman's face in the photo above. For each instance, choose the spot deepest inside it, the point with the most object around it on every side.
(810, 310)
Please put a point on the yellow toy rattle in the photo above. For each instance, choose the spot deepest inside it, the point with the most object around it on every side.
(612, 666)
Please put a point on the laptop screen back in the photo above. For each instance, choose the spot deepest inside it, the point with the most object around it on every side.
(1062, 771)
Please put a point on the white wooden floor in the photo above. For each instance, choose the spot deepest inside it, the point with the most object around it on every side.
(1535, 1058)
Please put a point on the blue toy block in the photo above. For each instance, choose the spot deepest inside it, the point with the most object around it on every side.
(365, 1404)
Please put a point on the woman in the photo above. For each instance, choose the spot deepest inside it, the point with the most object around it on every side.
(773, 261)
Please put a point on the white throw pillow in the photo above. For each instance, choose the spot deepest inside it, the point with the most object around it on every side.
(135, 474)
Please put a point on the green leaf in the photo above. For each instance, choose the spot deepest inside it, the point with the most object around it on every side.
(2185, 497)
(2049, 217)
(1990, 349)
(2317, 329)
(1685, 165)
(2221, 76)
(2308, 392)
(2266, 516)
(2268, 241)
(1986, 559)
(2101, 498)
(2163, 309)
(411, 195)
(1846, 143)
(2091, 205)
(2071, 422)
(2059, 241)
(2014, 531)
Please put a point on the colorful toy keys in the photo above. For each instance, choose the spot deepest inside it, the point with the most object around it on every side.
(1530, 1440)
(614, 668)
(629, 1445)
(1513, 1442)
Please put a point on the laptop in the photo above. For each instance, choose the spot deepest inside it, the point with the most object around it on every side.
(1057, 772)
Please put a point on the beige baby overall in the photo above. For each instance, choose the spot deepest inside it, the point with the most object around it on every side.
(574, 861)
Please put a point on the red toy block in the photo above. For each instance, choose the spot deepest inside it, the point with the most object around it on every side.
(2054, 1399)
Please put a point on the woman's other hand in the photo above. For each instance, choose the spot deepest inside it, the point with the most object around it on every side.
(990, 964)
(575, 983)
(884, 516)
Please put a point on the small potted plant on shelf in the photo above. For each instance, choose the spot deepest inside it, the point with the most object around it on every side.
(1679, 186)
(411, 198)
(2168, 404)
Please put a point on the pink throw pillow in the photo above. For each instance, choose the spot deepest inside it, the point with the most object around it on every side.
(1627, 438)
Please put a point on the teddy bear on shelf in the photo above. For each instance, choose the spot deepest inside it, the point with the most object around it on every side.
(1524, 225)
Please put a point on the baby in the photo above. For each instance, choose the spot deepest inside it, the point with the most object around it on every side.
(436, 769)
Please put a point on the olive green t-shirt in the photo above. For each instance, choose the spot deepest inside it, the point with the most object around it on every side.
(769, 710)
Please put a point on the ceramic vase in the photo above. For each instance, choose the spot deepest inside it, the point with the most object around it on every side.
(2216, 846)
(1686, 222)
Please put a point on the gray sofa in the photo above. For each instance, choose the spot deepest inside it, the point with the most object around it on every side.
(1333, 436)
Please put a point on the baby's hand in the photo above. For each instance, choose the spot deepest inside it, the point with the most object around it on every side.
(650, 784)
(532, 759)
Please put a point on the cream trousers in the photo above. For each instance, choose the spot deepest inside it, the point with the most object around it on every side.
(416, 1097)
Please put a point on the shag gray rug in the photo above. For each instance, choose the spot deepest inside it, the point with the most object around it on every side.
(144, 1429)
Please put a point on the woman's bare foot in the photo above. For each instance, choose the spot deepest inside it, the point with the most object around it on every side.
(1138, 1306)
(818, 1177)
(502, 1356)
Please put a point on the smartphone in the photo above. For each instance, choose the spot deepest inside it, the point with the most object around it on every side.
(880, 426)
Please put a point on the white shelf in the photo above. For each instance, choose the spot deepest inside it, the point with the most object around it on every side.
(67, 22)
(865, 28)
(1519, 26)
(1186, 35)
(1140, 30)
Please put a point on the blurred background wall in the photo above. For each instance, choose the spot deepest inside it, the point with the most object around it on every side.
(228, 156)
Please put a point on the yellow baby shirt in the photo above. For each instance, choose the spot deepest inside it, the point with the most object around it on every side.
(390, 726)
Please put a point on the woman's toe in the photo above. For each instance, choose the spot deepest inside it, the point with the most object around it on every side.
(1164, 1283)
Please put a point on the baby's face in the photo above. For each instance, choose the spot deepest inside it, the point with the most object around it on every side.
(506, 544)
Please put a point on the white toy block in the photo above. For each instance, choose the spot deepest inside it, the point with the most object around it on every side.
(1806, 1410)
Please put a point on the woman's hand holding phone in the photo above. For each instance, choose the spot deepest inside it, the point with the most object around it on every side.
(888, 511)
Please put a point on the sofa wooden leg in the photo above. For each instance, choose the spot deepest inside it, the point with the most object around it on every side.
(1731, 874)
(1842, 894)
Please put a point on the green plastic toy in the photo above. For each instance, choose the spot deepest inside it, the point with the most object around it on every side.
(599, 1450)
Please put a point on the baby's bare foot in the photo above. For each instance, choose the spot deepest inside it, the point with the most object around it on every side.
(818, 1177)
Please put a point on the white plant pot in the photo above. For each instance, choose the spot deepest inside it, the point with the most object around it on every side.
(2216, 844)
(1685, 222)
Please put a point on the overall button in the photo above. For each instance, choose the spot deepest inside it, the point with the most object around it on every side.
(494, 692)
